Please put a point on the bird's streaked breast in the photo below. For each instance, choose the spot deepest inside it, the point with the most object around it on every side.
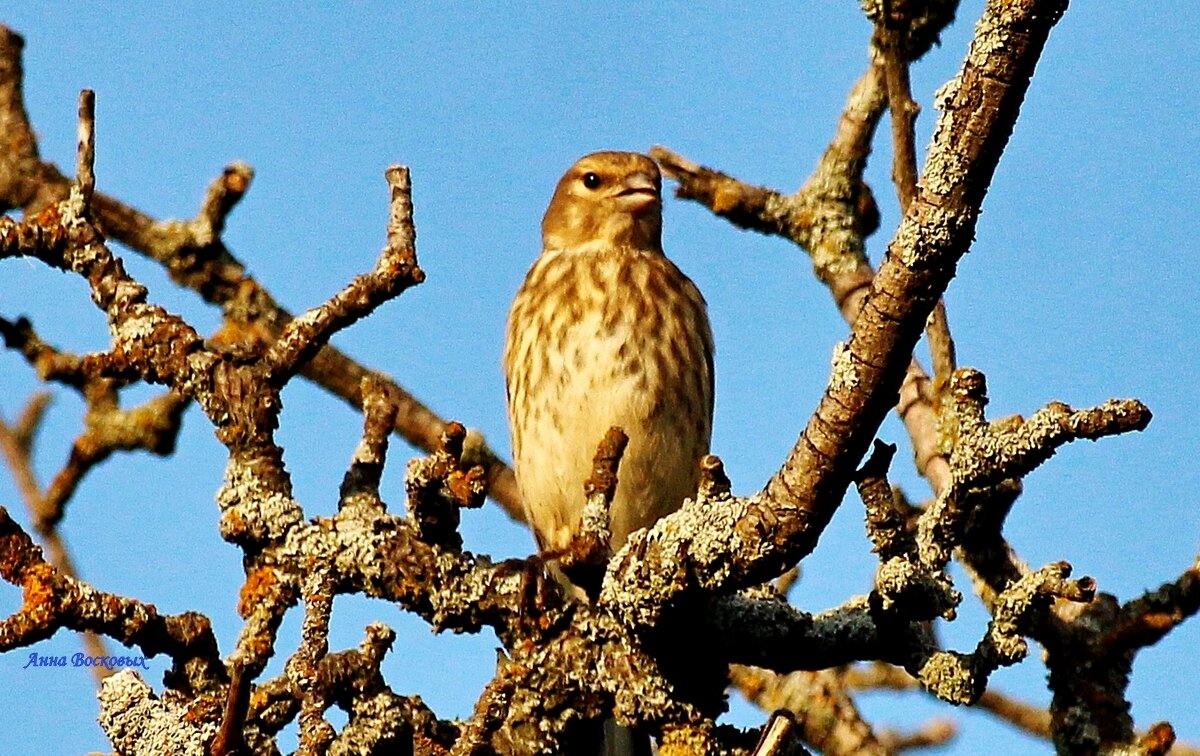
(598, 338)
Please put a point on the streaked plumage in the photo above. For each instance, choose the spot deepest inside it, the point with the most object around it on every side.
(607, 331)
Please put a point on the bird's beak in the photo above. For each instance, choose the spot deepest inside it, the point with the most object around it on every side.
(638, 191)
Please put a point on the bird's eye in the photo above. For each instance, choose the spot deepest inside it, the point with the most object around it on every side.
(591, 180)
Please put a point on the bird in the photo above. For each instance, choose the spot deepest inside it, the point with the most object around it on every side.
(607, 331)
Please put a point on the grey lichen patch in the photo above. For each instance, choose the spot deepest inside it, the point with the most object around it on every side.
(137, 722)
(946, 166)
(310, 544)
(943, 97)
(356, 548)
(367, 453)
(922, 241)
(1006, 641)
(950, 677)
(934, 547)
(835, 255)
(88, 256)
(299, 327)
(638, 596)
(128, 293)
(713, 535)
(822, 220)
(639, 694)
(992, 37)
(906, 242)
(986, 453)
(692, 545)
(905, 586)
(892, 579)
(1014, 605)
(251, 510)
(195, 380)
(371, 715)
(594, 521)
(139, 325)
(960, 678)
(843, 375)
(778, 209)
(460, 589)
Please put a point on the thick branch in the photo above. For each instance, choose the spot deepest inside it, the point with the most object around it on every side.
(980, 109)
(767, 534)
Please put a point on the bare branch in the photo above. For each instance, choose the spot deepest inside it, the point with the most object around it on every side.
(396, 271)
(778, 738)
(230, 740)
(683, 597)
(54, 601)
(824, 712)
(85, 175)
(772, 532)
(1143, 621)
(589, 552)
(361, 482)
(195, 257)
(139, 723)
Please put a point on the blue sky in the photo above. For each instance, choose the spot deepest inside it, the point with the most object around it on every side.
(1077, 288)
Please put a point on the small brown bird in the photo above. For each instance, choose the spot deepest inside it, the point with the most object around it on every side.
(606, 331)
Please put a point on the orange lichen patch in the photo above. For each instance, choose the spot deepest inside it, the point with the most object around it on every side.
(239, 332)
(204, 709)
(804, 218)
(511, 671)
(49, 215)
(261, 584)
(259, 698)
(236, 181)
(1159, 739)
(233, 524)
(726, 197)
(468, 488)
(39, 587)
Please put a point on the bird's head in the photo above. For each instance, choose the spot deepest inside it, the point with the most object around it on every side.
(610, 198)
